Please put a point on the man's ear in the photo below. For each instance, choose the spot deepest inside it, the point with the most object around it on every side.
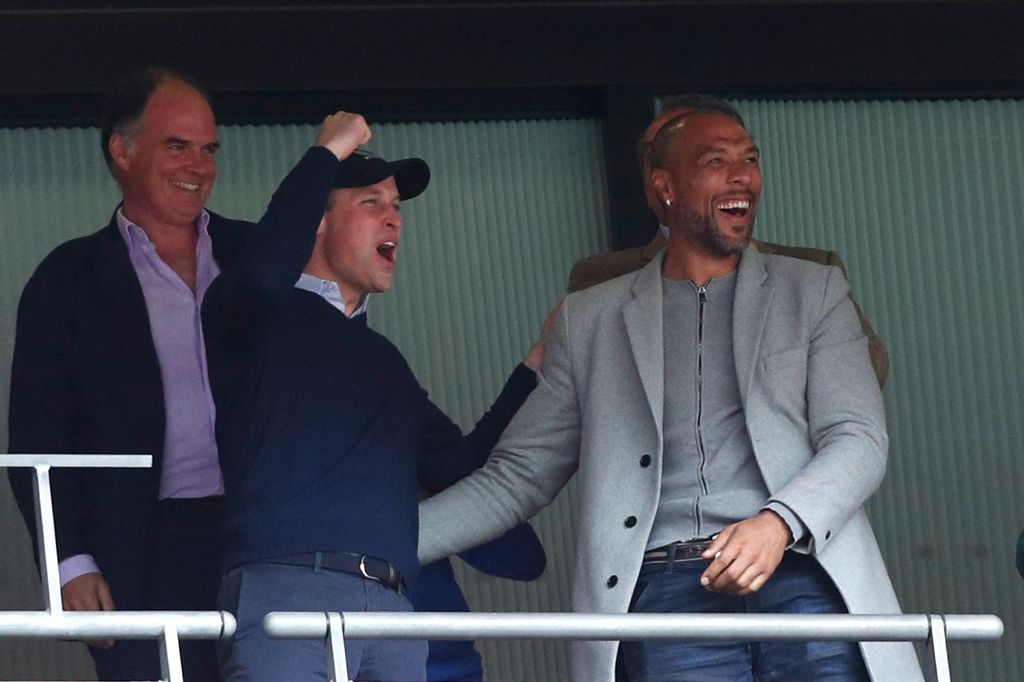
(316, 265)
(660, 182)
(118, 147)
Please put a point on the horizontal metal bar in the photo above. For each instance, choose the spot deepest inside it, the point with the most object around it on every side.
(116, 624)
(83, 461)
(630, 626)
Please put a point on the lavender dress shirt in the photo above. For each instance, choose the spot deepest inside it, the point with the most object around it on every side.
(190, 465)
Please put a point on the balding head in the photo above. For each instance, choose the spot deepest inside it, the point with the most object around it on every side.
(675, 107)
(123, 108)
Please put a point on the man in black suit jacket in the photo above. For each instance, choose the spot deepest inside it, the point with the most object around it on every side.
(109, 358)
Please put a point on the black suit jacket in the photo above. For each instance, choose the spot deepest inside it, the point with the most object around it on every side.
(86, 379)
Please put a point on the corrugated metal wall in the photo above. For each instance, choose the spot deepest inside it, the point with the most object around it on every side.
(921, 199)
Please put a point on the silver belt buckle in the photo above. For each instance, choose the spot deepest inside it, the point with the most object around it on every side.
(362, 570)
(691, 551)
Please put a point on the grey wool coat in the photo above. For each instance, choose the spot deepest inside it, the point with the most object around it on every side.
(813, 410)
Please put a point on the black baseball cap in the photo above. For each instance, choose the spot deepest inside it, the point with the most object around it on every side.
(362, 169)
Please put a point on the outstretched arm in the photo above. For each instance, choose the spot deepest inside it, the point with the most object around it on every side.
(516, 555)
(536, 456)
(446, 455)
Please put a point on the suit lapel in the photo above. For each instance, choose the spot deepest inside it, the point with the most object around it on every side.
(123, 313)
(749, 314)
(644, 326)
(120, 283)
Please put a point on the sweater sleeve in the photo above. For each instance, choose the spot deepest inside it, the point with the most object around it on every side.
(445, 455)
(516, 555)
(271, 261)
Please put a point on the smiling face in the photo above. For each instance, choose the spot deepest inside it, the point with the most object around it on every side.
(166, 165)
(712, 177)
(357, 241)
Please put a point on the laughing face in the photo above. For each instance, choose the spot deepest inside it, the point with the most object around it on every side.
(712, 178)
(166, 166)
(357, 241)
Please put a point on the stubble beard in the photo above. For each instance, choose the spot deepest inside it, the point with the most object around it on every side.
(704, 231)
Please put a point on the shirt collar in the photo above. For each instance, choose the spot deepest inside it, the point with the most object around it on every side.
(329, 291)
(135, 237)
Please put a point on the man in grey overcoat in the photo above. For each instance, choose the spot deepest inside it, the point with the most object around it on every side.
(721, 409)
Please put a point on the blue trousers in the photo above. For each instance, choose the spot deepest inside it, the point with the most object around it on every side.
(252, 590)
(799, 585)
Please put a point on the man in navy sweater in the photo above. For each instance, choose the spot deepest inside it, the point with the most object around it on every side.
(324, 432)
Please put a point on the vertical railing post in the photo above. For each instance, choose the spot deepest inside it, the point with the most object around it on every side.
(337, 661)
(170, 654)
(46, 538)
(936, 655)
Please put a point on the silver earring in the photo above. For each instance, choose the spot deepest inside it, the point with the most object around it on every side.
(668, 202)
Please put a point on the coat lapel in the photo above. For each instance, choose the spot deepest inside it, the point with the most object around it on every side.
(644, 326)
(121, 285)
(749, 314)
(123, 313)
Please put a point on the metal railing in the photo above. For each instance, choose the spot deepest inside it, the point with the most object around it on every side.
(335, 627)
(55, 623)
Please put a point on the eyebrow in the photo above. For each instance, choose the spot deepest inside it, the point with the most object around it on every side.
(180, 140)
(377, 192)
(720, 150)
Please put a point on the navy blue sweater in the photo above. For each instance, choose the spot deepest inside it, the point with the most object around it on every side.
(322, 428)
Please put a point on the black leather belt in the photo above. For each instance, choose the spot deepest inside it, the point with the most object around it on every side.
(690, 550)
(213, 503)
(371, 568)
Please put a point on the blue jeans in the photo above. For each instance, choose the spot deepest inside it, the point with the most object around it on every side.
(799, 585)
(251, 590)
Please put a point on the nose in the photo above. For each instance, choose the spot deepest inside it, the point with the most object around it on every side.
(741, 173)
(202, 161)
(393, 219)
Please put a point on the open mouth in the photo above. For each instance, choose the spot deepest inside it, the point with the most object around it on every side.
(735, 207)
(387, 251)
(188, 186)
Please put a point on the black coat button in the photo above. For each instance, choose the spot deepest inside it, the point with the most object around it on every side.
(645, 461)
(613, 581)
(630, 521)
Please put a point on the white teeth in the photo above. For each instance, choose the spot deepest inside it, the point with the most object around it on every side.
(389, 245)
(729, 205)
(191, 187)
